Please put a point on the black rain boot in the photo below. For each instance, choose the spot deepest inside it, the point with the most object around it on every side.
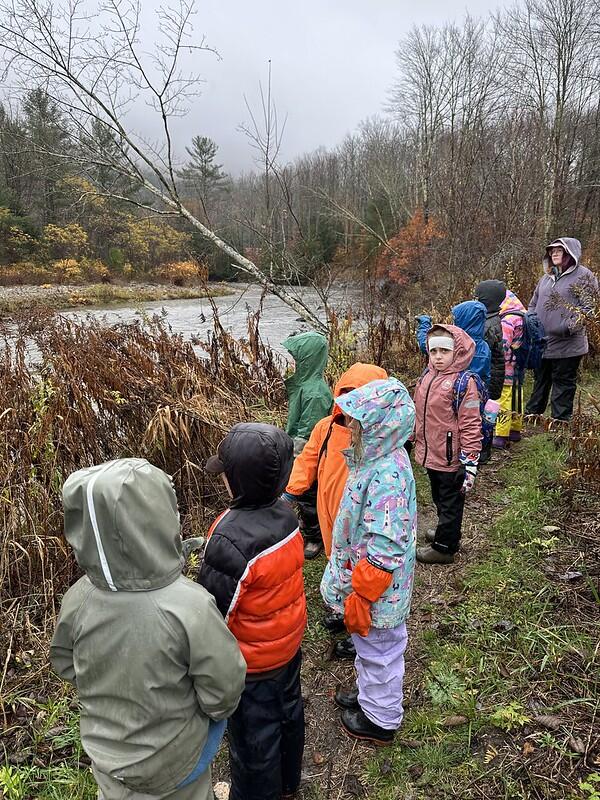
(347, 698)
(344, 648)
(357, 724)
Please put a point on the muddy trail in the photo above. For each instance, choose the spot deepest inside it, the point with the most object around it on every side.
(334, 763)
(526, 747)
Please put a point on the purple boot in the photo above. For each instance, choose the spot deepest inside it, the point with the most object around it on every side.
(515, 436)
(500, 442)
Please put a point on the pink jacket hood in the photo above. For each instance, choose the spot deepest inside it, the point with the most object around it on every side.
(441, 437)
(464, 349)
(511, 303)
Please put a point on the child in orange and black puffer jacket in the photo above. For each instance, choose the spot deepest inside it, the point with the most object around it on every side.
(253, 566)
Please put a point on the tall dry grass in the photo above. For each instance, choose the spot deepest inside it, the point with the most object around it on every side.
(74, 394)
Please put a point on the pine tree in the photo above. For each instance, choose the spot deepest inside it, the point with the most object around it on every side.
(201, 175)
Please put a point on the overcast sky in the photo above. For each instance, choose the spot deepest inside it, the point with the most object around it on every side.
(332, 65)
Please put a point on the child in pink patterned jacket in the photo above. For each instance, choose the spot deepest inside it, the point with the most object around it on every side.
(510, 417)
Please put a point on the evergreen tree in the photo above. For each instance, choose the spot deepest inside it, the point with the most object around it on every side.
(201, 175)
(48, 142)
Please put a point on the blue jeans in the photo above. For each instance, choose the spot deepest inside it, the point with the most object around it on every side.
(216, 731)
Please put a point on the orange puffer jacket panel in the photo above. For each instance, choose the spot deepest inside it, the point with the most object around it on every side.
(322, 458)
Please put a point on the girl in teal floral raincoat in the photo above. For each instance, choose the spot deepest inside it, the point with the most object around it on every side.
(369, 577)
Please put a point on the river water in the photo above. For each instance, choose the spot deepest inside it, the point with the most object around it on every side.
(195, 317)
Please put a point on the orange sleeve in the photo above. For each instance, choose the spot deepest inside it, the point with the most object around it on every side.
(304, 471)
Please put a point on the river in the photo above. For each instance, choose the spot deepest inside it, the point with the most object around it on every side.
(195, 317)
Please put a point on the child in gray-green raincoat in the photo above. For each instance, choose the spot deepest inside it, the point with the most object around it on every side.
(156, 669)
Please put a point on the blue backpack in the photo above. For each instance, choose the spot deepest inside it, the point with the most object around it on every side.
(459, 391)
(460, 388)
(529, 354)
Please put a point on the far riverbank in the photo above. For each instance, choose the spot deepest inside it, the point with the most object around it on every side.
(14, 298)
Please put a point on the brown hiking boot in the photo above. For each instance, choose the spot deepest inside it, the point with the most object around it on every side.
(428, 555)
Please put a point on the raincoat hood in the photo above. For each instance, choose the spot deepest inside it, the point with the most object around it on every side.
(258, 460)
(464, 348)
(386, 413)
(121, 519)
(572, 247)
(491, 293)
(470, 316)
(511, 303)
(310, 352)
(357, 375)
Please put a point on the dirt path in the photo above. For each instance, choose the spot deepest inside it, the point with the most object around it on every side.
(333, 761)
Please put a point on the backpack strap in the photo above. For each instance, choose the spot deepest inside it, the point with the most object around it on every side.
(459, 390)
(323, 449)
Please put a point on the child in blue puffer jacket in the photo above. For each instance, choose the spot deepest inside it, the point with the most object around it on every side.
(470, 316)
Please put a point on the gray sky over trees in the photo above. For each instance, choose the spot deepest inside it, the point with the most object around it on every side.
(332, 65)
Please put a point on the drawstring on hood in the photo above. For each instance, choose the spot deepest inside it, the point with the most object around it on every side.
(121, 519)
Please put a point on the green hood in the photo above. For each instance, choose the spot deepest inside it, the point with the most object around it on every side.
(121, 519)
(310, 352)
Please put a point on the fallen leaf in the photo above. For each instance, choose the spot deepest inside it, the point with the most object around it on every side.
(490, 754)
(503, 670)
(570, 576)
(548, 721)
(56, 731)
(455, 721)
(412, 744)
(576, 745)
(550, 528)
(415, 771)
(353, 786)
(528, 749)
(319, 758)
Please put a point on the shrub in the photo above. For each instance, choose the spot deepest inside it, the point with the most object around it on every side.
(63, 242)
(181, 273)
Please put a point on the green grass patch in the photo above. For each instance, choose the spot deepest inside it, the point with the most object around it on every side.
(503, 641)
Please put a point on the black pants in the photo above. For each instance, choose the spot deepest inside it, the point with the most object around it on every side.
(266, 737)
(307, 515)
(450, 503)
(560, 376)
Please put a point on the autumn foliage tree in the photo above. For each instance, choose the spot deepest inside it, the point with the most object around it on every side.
(405, 258)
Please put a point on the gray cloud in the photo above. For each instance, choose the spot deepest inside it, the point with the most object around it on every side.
(332, 65)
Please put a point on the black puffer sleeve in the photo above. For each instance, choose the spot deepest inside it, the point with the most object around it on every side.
(222, 570)
(494, 339)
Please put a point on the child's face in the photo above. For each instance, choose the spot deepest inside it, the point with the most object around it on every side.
(440, 358)
(354, 426)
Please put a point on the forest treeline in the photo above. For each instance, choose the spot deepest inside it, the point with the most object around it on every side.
(489, 146)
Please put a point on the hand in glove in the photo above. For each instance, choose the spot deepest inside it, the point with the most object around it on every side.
(368, 583)
(469, 479)
(299, 444)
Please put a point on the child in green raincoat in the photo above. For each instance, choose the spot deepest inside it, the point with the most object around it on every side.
(309, 400)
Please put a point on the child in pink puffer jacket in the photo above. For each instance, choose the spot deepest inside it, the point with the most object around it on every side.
(447, 443)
